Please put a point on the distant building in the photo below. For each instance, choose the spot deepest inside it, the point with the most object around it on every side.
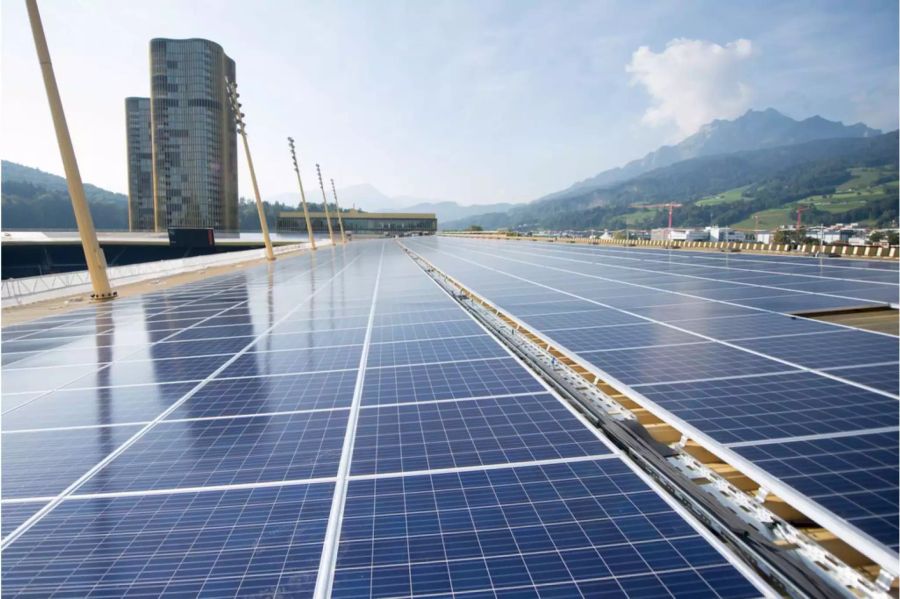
(725, 234)
(193, 135)
(140, 164)
(361, 223)
(679, 235)
(766, 237)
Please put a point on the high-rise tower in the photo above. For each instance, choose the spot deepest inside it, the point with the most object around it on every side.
(140, 164)
(193, 135)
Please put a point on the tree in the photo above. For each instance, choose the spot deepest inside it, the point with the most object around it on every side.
(475, 228)
(876, 237)
(783, 236)
(894, 238)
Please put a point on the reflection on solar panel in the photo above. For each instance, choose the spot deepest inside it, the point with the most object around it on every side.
(807, 408)
(331, 423)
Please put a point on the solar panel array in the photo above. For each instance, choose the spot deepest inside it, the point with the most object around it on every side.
(217, 439)
(710, 339)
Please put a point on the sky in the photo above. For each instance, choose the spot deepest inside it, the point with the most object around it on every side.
(475, 101)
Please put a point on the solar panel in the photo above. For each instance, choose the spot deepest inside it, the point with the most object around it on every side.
(774, 387)
(434, 330)
(446, 380)
(214, 543)
(92, 406)
(829, 350)
(43, 463)
(681, 363)
(768, 407)
(884, 377)
(430, 436)
(228, 457)
(228, 451)
(854, 476)
(588, 529)
(433, 350)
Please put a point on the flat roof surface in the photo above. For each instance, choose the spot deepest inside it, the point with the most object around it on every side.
(335, 421)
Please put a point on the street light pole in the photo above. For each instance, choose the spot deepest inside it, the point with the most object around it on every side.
(233, 96)
(338, 208)
(325, 202)
(309, 231)
(93, 254)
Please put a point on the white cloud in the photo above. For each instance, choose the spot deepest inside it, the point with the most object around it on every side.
(692, 81)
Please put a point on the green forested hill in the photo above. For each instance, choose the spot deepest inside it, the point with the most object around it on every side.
(35, 200)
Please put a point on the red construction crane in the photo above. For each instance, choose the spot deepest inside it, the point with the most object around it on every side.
(800, 209)
(670, 205)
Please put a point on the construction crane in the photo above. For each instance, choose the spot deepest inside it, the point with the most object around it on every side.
(669, 205)
(801, 208)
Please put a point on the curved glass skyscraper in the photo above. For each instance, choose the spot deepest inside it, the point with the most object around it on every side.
(193, 135)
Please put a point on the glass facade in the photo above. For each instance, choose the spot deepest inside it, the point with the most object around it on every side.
(193, 135)
(369, 223)
(140, 164)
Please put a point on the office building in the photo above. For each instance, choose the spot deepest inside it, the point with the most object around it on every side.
(360, 223)
(140, 164)
(193, 135)
(679, 235)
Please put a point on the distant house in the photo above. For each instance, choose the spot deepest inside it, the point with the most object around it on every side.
(679, 235)
(725, 234)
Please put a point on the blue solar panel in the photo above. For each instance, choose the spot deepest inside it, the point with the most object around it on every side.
(770, 407)
(680, 363)
(182, 349)
(116, 374)
(14, 514)
(449, 313)
(258, 542)
(884, 377)
(853, 476)
(587, 318)
(449, 380)
(684, 311)
(322, 324)
(805, 302)
(269, 394)
(521, 428)
(228, 451)
(729, 394)
(842, 348)
(295, 361)
(434, 350)
(236, 330)
(620, 337)
(37, 464)
(755, 324)
(88, 407)
(435, 330)
(480, 483)
(322, 338)
(587, 527)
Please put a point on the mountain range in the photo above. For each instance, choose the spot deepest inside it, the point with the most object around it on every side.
(719, 157)
(755, 130)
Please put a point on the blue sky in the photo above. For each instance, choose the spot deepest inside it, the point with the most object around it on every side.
(472, 101)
